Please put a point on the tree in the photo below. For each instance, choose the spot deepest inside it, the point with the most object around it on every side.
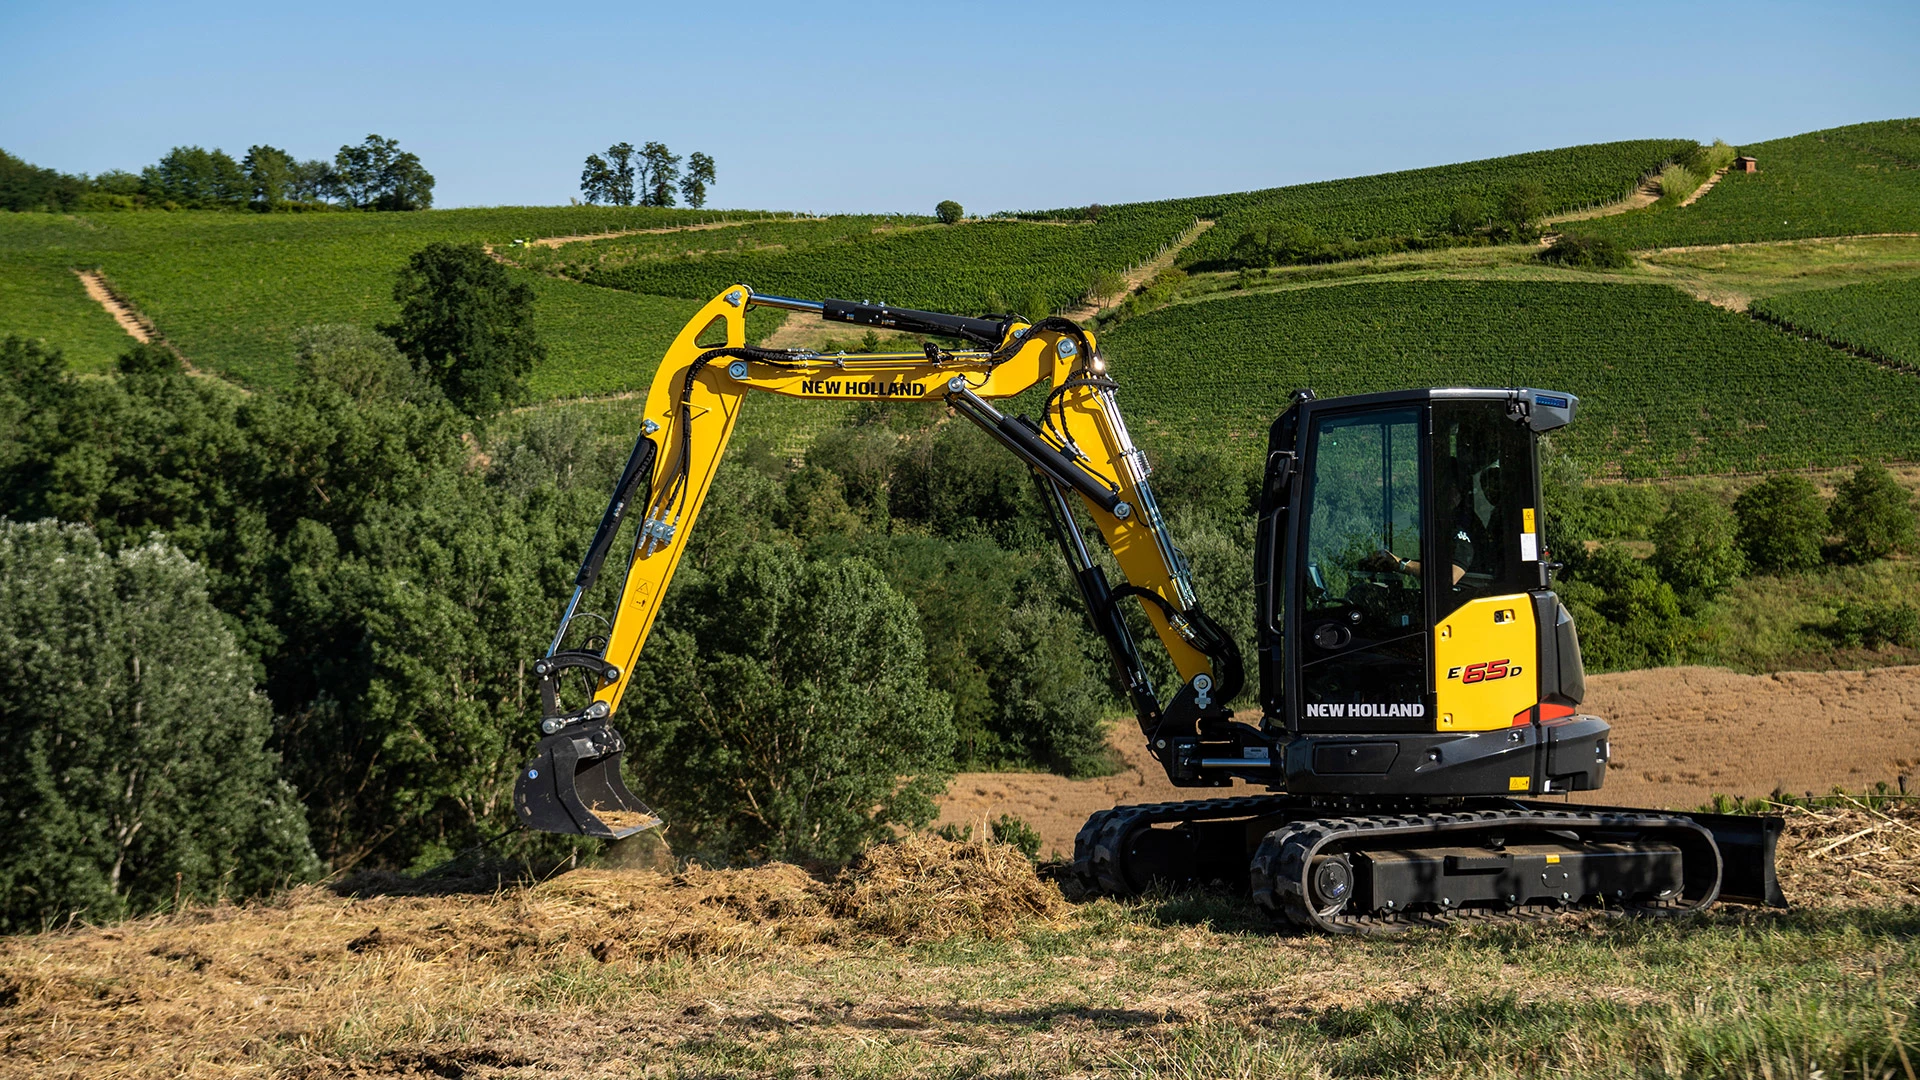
(1873, 514)
(270, 173)
(378, 175)
(313, 181)
(197, 179)
(659, 173)
(132, 743)
(29, 187)
(784, 710)
(1696, 545)
(596, 180)
(1782, 523)
(466, 326)
(1521, 207)
(1469, 213)
(948, 211)
(693, 186)
(620, 174)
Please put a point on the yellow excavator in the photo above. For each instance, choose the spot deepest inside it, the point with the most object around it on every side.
(1420, 681)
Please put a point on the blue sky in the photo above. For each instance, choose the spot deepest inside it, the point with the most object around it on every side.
(892, 107)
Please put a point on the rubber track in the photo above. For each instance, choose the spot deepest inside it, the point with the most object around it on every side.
(1279, 867)
(1099, 853)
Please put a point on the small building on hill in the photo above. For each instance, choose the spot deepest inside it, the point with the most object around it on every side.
(1744, 163)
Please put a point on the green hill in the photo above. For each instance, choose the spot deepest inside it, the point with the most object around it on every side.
(1669, 385)
(1845, 181)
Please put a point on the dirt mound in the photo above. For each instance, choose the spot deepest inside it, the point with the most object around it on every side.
(1852, 854)
(1680, 736)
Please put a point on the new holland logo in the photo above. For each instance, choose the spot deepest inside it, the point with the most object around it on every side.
(863, 388)
(1486, 671)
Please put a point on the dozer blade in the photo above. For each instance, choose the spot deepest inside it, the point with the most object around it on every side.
(573, 786)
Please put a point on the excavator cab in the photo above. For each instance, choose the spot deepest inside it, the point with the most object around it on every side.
(1410, 640)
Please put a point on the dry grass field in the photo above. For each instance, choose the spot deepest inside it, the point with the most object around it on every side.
(933, 958)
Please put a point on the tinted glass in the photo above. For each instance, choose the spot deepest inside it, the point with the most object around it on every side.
(1482, 486)
(1363, 626)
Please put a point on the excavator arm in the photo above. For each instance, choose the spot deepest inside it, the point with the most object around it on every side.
(1078, 450)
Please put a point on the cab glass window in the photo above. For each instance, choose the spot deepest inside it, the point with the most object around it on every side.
(1483, 485)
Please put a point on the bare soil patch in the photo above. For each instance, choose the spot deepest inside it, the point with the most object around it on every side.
(1705, 187)
(136, 325)
(1680, 736)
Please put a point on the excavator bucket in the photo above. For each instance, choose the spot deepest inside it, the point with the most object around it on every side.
(573, 785)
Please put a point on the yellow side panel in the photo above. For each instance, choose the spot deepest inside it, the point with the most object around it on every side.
(1483, 656)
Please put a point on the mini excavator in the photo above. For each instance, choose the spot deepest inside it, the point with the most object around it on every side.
(1419, 681)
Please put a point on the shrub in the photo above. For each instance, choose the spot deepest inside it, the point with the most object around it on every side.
(782, 710)
(1876, 626)
(1782, 523)
(466, 326)
(949, 212)
(1873, 514)
(1696, 545)
(132, 742)
(1587, 252)
(1628, 618)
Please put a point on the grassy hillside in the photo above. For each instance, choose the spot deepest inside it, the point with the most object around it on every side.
(1879, 319)
(971, 267)
(1669, 385)
(230, 289)
(1420, 202)
(1845, 181)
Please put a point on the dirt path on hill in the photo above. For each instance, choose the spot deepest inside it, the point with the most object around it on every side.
(1145, 271)
(1646, 194)
(130, 320)
(1680, 736)
(137, 326)
(1705, 186)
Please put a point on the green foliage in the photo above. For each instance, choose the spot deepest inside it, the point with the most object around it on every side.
(949, 212)
(378, 175)
(1586, 252)
(195, 179)
(270, 172)
(693, 186)
(1409, 210)
(1873, 514)
(466, 326)
(1845, 181)
(30, 187)
(659, 174)
(1696, 545)
(1875, 318)
(782, 710)
(1008, 829)
(1783, 523)
(1876, 625)
(1628, 617)
(971, 266)
(132, 743)
(1637, 419)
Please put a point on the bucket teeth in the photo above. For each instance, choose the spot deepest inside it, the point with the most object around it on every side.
(573, 786)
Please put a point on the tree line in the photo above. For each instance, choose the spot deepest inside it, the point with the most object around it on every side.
(375, 174)
(651, 175)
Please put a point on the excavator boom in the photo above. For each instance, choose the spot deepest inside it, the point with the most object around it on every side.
(1079, 450)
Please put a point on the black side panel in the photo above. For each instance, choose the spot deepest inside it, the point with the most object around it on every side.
(1573, 671)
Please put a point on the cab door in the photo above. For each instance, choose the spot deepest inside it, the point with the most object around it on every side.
(1363, 641)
